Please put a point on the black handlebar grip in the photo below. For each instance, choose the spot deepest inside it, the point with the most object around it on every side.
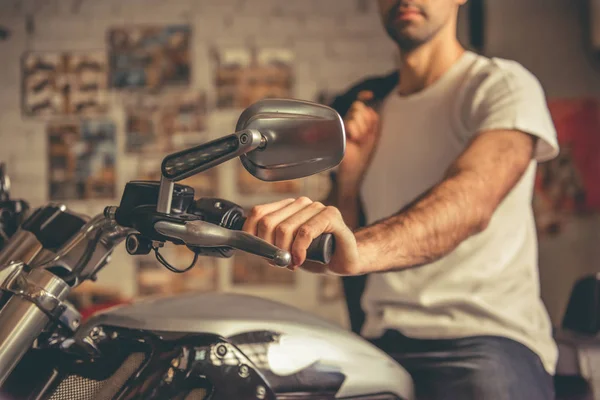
(320, 250)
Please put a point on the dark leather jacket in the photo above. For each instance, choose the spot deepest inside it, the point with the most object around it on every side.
(381, 86)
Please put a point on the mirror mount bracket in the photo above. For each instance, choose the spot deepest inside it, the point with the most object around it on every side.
(165, 195)
(189, 162)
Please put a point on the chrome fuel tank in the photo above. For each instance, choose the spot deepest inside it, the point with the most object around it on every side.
(280, 340)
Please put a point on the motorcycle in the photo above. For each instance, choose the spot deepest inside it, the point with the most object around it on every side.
(12, 212)
(193, 346)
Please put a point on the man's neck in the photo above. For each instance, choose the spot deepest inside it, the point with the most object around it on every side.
(424, 65)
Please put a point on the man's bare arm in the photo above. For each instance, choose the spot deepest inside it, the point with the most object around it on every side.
(452, 211)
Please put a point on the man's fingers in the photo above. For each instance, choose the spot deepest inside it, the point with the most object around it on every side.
(310, 230)
(266, 226)
(258, 212)
(369, 115)
(361, 121)
(286, 230)
(351, 130)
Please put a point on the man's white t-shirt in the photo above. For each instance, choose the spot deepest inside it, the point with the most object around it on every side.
(489, 284)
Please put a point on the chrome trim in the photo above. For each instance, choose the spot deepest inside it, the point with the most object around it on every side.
(70, 318)
(38, 295)
(23, 246)
(40, 287)
(9, 273)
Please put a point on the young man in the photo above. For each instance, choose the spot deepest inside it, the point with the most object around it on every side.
(443, 170)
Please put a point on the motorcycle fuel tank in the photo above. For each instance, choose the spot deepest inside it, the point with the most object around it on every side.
(289, 347)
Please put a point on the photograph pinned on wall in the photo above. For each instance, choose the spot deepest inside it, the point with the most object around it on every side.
(275, 72)
(250, 185)
(82, 158)
(568, 186)
(330, 289)
(245, 75)
(173, 121)
(149, 57)
(64, 84)
(183, 120)
(251, 270)
(153, 279)
(141, 123)
(231, 64)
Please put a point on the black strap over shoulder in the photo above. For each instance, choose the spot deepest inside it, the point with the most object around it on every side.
(354, 286)
(381, 86)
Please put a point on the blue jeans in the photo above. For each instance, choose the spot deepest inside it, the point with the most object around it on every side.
(481, 367)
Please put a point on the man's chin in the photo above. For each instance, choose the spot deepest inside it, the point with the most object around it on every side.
(406, 42)
(402, 33)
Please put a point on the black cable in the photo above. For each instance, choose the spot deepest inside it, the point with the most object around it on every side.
(85, 257)
(164, 262)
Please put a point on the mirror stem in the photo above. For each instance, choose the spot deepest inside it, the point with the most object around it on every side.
(165, 195)
(185, 163)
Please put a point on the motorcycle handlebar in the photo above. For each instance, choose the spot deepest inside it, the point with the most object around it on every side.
(205, 234)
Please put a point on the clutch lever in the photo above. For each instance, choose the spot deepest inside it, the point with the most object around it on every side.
(205, 234)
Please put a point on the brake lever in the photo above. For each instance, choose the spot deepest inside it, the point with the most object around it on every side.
(205, 234)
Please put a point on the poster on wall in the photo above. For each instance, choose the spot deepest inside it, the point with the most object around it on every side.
(165, 123)
(81, 158)
(149, 57)
(252, 270)
(64, 84)
(183, 120)
(153, 279)
(141, 120)
(568, 186)
(245, 75)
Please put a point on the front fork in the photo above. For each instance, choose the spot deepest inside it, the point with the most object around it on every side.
(37, 298)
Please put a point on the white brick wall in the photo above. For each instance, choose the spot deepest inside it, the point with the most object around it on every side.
(330, 39)
(335, 42)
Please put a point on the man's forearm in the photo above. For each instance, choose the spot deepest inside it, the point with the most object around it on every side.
(426, 230)
(452, 211)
